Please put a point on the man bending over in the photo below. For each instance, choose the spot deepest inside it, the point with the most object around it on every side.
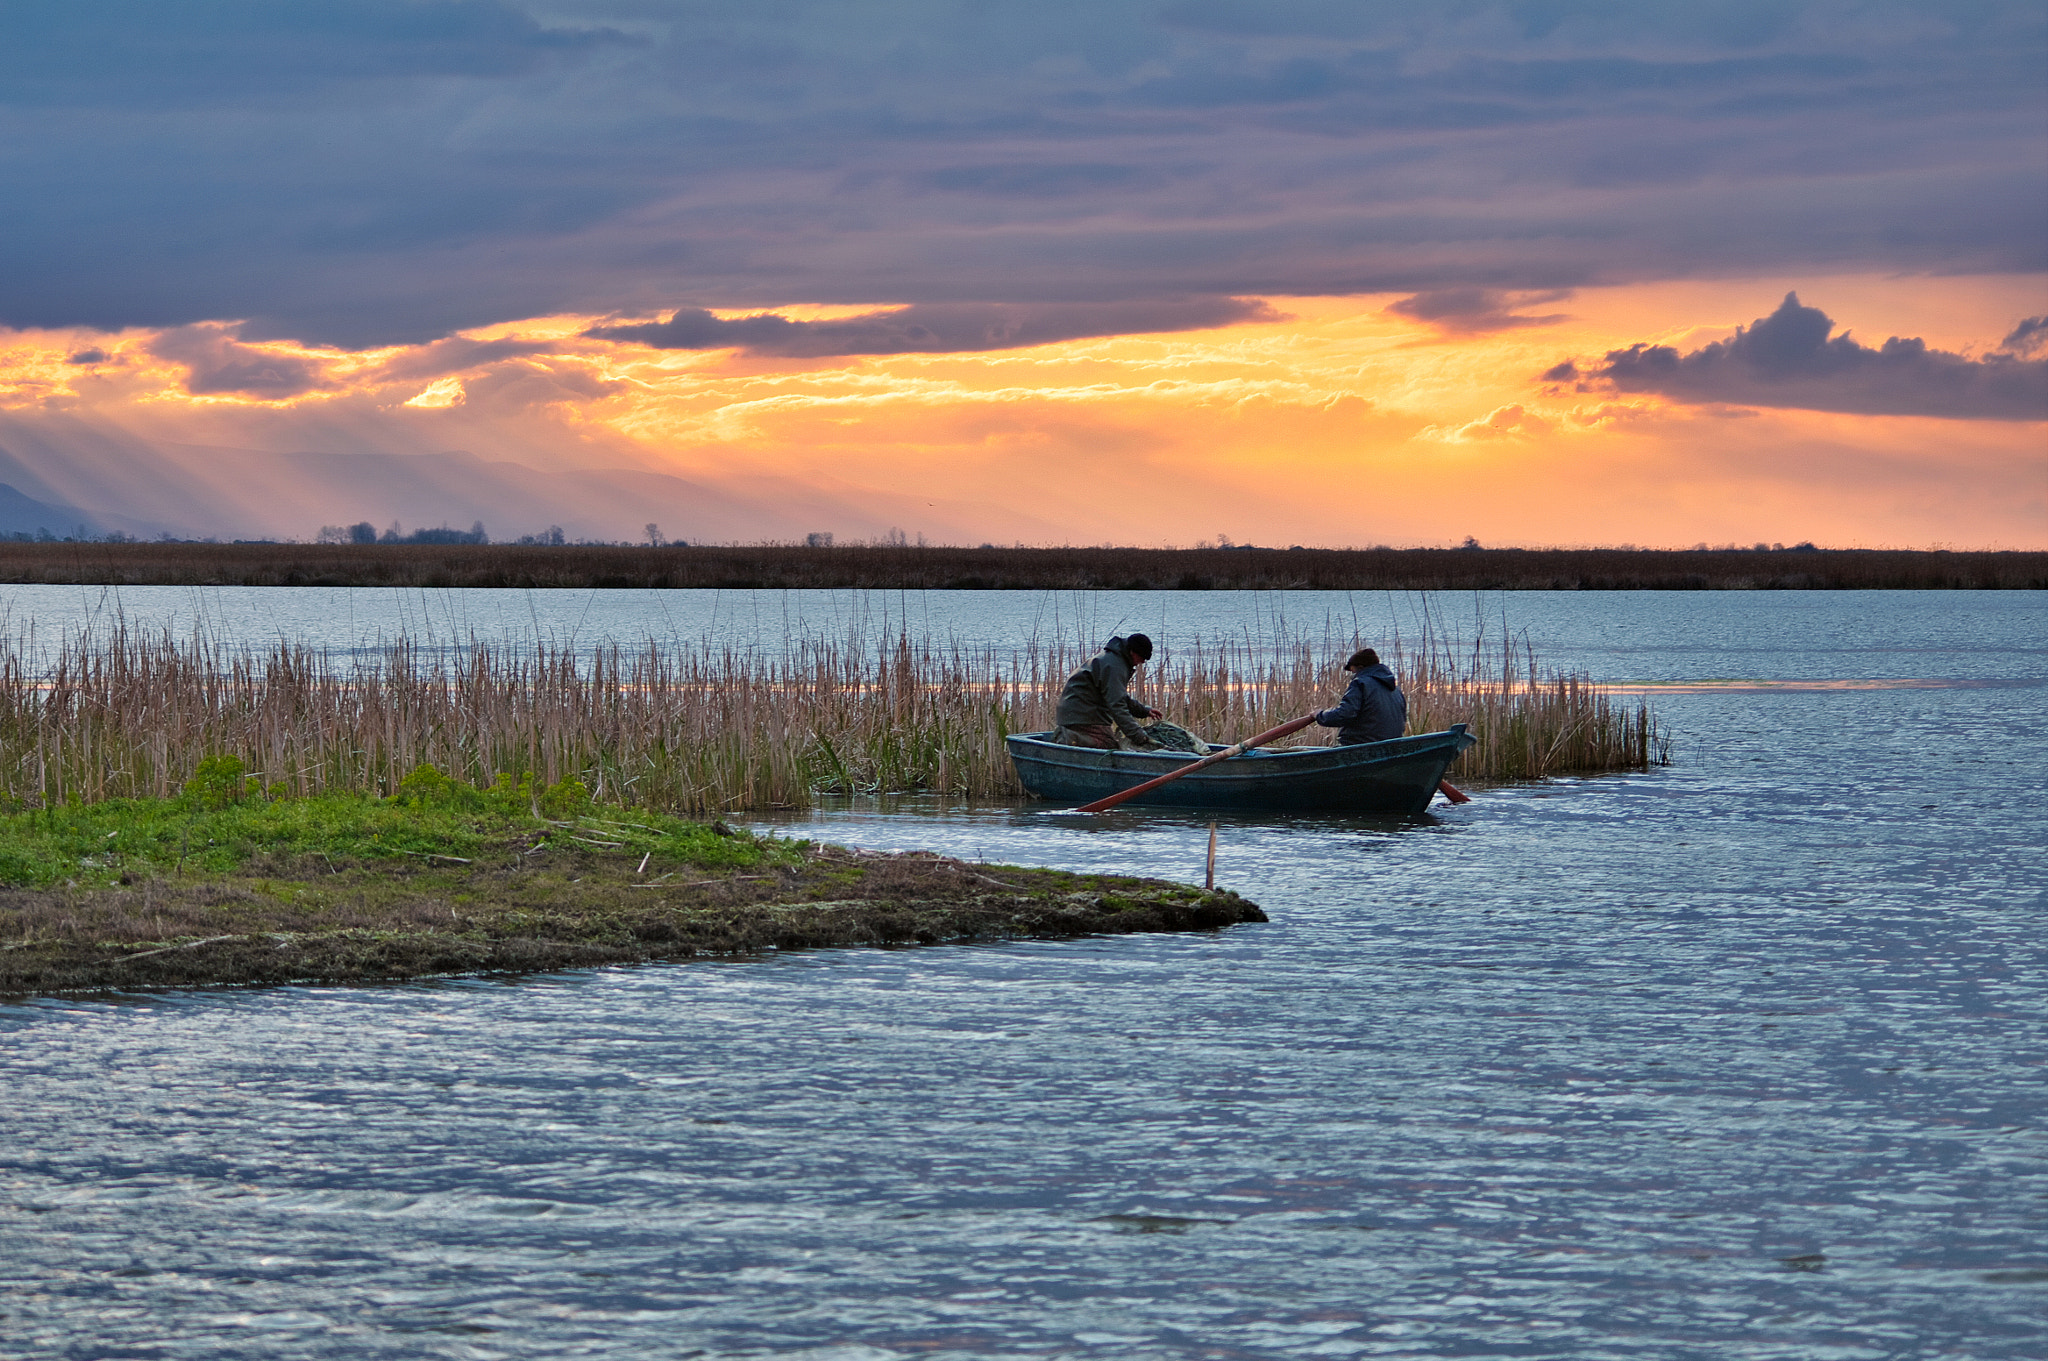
(1096, 708)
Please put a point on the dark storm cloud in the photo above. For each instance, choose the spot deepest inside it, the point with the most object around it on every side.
(215, 363)
(211, 52)
(1792, 359)
(374, 171)
(934, 328)
(1467, 310)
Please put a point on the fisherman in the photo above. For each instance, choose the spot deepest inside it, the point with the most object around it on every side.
(1373, 709)
(1096, 708)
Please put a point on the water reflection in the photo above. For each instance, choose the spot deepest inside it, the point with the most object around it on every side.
(1738, 1058)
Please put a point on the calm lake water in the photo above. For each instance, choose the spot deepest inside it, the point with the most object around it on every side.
(1938, 636)
(1746, 1057)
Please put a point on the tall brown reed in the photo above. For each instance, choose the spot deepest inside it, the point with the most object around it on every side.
(121, 714)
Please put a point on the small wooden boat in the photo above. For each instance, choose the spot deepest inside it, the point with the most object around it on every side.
(1400, 776)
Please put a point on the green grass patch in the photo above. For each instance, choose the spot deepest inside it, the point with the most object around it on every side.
(223, 824)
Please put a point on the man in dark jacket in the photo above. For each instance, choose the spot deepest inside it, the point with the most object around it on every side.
(1373, 708)
(1096, 708)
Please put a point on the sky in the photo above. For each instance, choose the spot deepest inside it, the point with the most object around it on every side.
(1320, 272)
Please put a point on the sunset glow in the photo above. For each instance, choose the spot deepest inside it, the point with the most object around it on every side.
(1211, 309)
(1343, 423)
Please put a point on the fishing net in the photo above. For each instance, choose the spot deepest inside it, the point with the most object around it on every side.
(1174, 737)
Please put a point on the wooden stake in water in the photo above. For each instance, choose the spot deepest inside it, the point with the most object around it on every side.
(1209, 879)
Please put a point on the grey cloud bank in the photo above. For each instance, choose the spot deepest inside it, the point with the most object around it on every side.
(1792, 359)
(934, 327)
(360, 172)
(215, 363)
(1476, 309)
(2030, 335)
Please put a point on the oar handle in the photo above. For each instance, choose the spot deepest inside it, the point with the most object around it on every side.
(1271, 735)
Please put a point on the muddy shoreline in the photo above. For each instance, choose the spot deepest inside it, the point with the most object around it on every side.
(310, 920)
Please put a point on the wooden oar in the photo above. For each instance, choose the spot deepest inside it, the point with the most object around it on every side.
(1104, 805)
(1452, 792)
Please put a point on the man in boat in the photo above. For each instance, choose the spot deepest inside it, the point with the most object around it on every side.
(1373, 708)
(1096, 708)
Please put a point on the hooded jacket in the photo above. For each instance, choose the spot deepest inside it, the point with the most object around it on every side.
(1100, 693)
(1373, 708)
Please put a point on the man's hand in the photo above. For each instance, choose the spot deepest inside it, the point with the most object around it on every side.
(1155, 714)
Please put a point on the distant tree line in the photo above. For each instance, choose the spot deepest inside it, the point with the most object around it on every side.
(83, 535)
(550, 565)
(364, 532)
(552, 537)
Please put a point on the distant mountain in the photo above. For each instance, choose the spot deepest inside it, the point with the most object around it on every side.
(20, 514)
(195, 491)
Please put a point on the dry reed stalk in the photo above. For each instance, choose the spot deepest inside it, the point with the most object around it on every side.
(704, 731)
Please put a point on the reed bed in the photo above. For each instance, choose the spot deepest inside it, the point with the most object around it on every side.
(702, 731)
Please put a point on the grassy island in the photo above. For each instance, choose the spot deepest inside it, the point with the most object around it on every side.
(224, 884)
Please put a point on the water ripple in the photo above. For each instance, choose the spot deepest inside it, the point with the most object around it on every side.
(1740, 1058)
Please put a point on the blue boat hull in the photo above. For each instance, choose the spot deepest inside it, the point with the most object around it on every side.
(1400, 776)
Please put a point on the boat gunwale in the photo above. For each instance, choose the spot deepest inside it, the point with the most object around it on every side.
(1338, 756)
(1398, 776)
